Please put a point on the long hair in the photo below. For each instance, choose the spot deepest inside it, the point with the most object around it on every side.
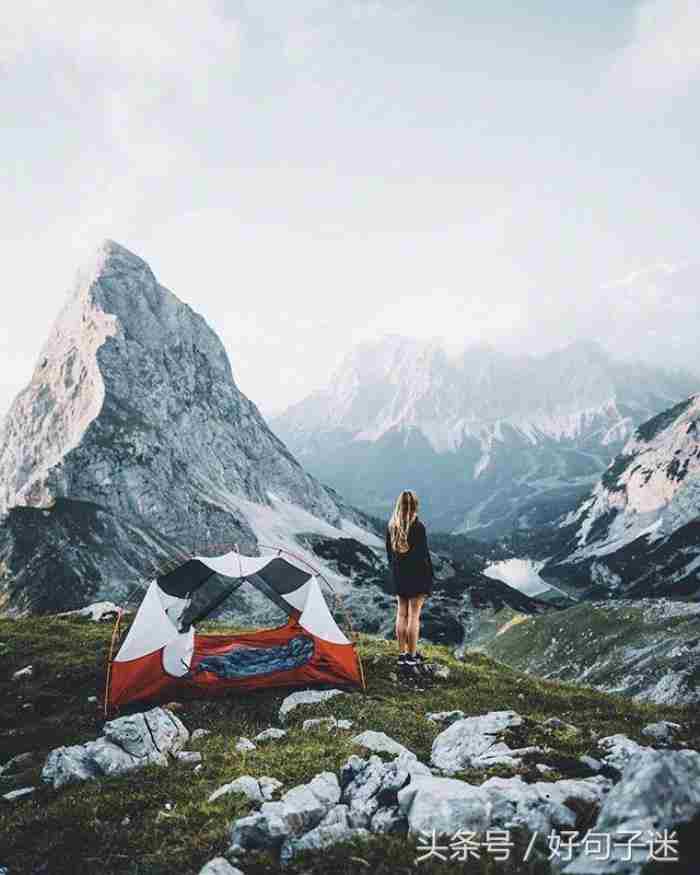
(405, 512)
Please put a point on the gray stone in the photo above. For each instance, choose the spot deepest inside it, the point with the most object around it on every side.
(219, 866)
(299, 810)
(23, 674)
(18, 763)
(472, 742)
(271, 734)
(379, 742)
(369, 785)
(562, 725)
(591, 762)
(444, 805)
(659, 790)
(268, 786)
(127, 743)
(388, 820)
(319, 838)
(344, 724)
(306, 697)
(445, 716)
(245, 784)
(315, 723)
(663, 731)
(200, 733)
(543, 768)
(97, 612)
(16, 795)
(618, 750)
(189, 757)
(243, 745)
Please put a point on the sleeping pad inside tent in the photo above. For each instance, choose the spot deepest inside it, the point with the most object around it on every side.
(162, 658)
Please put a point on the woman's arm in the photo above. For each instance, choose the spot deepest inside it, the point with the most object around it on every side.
(425, 552)
(388, 545)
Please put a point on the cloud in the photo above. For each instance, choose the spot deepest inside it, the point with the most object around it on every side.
(663, 55)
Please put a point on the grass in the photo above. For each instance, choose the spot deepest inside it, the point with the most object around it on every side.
(122, 825)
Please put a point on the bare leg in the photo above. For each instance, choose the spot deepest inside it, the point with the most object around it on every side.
(413, 633)
(402, 623)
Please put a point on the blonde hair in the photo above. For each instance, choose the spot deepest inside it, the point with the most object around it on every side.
(405, 512)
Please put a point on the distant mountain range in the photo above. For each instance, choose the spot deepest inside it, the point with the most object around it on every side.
(638, 532)
(491, 442)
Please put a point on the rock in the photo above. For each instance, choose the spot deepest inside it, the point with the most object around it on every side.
(200, 733)
(591, 763)
(306, 697)
(327, 723)
(270, 734)
(659, 790)
(369, 785)
(319, 838)
(442, 672)
(246, 785)
(127, 743)
(445, 716)
(219, 866)
(16, 795)
(344, 724)
(98, 612)
(268, 786)
(557, 724)
(92, 699)
(472, 742)
(388, 820)
(18, 763)
(444, 805)
(663, 731)
(619, 750)
(23, 674)
(543, 768)
(243, 745)
(189, 757)
(298, 811)
(379, 742)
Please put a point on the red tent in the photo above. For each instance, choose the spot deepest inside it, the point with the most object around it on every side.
(162, 658)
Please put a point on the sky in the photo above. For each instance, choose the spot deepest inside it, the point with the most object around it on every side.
(311, 174)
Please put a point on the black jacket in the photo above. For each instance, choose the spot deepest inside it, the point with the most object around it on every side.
(411, 572)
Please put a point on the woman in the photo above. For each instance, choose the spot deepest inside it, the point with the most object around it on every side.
(412, 573)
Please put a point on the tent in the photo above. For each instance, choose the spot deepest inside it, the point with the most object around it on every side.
(162, 657)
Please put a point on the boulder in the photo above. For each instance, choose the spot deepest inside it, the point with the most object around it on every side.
(97, 611)
(445, 716)
(23, 674)
(388, 820)
(659, 790)
(243, 745)
(219, 866)
(379, 742)
(444, 805)
(271, 734)
(306, 697)
(189, 757)
(315, 723)
(299, 810)
(16, 795)
(472, 742)
(268, 786)
(618, 750)
(200, 733)
(369, 785)
(247, 785)
(335, 827)
(127, 743)
(663, 731)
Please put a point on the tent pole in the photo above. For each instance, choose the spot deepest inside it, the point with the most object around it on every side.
(110, 660)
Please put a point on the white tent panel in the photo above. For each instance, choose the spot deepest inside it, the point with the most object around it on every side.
(297, 598)
(177, 655)
(317, 619)
(151, 629)
(234, 565)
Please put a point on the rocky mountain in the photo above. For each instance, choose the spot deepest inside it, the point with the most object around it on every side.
(132, 444)
(489, 440)
(638, 531)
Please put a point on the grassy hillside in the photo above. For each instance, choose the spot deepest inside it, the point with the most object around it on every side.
(122, 825)
(646, 647)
